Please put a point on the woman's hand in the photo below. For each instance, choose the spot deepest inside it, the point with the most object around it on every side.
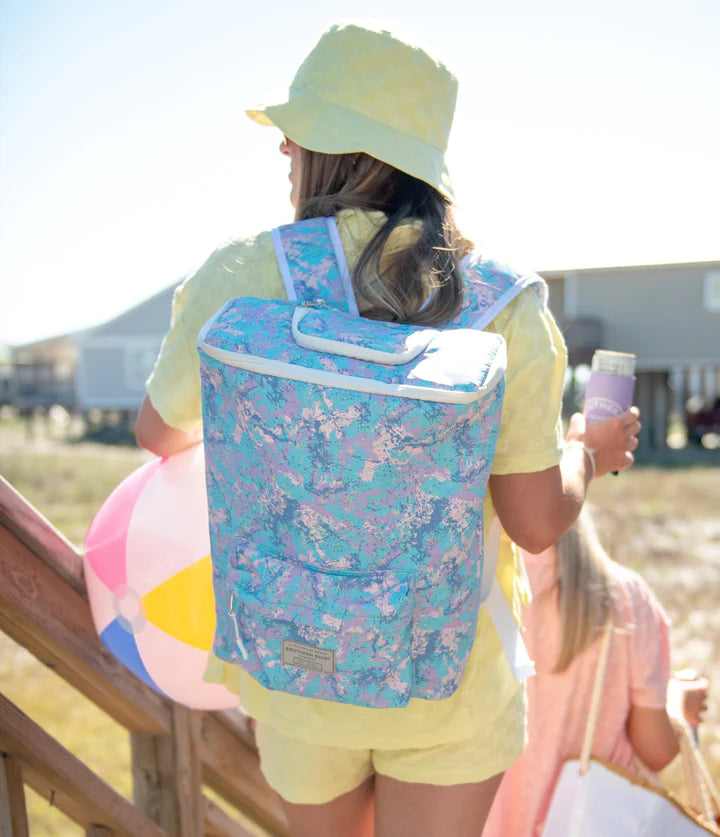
(612, 440)
(687, 696)
(695, 702)
(536, 508)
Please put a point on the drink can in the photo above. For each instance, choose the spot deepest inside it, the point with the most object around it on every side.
(610, 389)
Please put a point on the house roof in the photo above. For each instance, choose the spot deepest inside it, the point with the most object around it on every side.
(45, 342)
(556, 273)
(144, 316)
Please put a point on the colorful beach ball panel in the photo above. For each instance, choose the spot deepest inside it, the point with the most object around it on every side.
(149, 579)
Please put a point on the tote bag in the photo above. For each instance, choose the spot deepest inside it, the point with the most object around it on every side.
(595, 799)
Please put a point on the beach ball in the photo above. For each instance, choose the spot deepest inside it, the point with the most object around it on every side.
(149, 578)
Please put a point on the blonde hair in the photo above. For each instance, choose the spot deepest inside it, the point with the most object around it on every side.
(585, 599)
(419, 284)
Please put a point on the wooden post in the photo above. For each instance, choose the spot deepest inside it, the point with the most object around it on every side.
(569, 399)
(661, 409)
(643, 401)
(167, 775)
(73, 788)
(651, 396)
(13, 814)
(680, 394)
(29, 420)
(186, 734)
(231, 767)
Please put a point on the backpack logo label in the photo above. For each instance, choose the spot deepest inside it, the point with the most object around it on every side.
(300, 655)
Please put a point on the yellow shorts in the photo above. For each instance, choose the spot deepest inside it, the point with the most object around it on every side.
(312, 774)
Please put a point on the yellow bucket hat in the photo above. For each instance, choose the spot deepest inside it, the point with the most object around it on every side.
(365, 90)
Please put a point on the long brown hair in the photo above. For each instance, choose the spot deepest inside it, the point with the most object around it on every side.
(585, 598)
(419, 284)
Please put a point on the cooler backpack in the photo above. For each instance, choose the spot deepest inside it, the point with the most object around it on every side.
(347, 462)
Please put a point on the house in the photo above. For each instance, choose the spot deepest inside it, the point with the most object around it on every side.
(116, 358)
(668, 315)
(102, 368)
(40, 374)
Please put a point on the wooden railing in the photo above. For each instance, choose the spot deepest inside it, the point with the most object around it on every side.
(44, 607)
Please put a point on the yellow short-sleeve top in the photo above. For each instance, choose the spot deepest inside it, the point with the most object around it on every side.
(529, 440)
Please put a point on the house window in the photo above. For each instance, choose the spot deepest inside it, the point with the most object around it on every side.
(712, 291)
(139, 361)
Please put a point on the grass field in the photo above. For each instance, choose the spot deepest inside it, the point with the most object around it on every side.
(663, 522)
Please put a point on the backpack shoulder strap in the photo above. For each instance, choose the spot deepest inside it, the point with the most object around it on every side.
(313, 265)
(489, 286)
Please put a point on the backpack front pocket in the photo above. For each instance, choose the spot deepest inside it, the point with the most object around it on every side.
(332, 635)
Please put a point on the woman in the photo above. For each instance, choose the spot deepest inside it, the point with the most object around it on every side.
(576, 589)
(366, 128)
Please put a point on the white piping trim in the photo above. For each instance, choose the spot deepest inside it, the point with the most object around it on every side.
(238, 638)
(508, 633)
(343, 266)
(489, 315)
(283, 265)
(338, 347)
(281, 369)
(500, 613)
(491, 553)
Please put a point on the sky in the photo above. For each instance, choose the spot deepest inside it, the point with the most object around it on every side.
(585, 134)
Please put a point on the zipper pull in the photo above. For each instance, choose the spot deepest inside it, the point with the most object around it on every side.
(233, 616)
(313, 303)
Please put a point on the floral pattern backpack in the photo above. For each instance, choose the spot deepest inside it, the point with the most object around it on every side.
(347, 463)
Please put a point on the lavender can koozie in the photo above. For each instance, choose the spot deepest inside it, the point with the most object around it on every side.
(610, 389)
